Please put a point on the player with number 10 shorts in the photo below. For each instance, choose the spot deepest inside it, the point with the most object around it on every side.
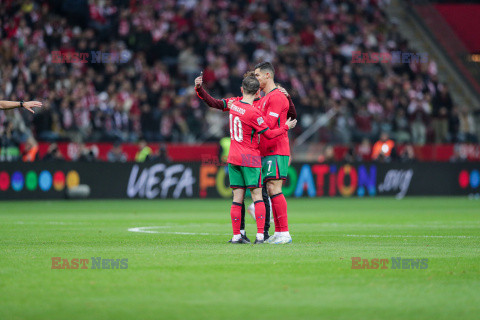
(244, 162)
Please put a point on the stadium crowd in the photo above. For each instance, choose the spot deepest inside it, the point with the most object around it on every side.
(159, 47)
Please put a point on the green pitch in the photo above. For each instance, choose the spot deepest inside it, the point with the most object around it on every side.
(184, 269)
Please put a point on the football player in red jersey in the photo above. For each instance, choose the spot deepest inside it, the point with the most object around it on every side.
(275, 153)
(244, 161)
(223, 104)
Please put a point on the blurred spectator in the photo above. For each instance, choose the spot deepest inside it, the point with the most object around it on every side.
(351, 155)
(116, 154)
(343, 124)
(161, 155)
(363, 125)
(327, 155)
(144, 152)
(466, 131)
(53, 153)
(47, 124)
(30, 153)
(364, 150)
(224, 149)
(382, 149)
(188, 64)
(407, 154)
(9, 143)
(419, 111)
(86, 154)
(459, 154)
(150, 122)
(442, 108)
(454, 124)
(401, 127)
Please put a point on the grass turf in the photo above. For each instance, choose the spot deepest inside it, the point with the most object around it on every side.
(182, 276)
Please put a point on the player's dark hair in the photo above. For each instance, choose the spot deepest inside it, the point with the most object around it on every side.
(250, 85)
(266, 67)
(249, 74)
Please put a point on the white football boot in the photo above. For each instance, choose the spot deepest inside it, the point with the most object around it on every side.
(282, 239)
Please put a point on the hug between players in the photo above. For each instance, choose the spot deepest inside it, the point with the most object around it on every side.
(259, 152)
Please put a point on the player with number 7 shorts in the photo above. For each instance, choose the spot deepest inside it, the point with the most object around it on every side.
(244, 162)
(275, 153)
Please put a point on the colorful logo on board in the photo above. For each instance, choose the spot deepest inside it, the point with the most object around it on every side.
(469, 179)
(317, 180)
(33, 180)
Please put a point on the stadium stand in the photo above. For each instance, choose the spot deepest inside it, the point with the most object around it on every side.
(158, 47)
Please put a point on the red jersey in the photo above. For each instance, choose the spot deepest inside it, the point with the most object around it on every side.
(274, 107)
(246, 125)
(256, 102)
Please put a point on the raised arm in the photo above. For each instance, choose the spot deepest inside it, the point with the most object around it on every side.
(6, 105)
(208, 99)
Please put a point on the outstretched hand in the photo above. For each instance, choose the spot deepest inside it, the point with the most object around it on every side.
(31, 104)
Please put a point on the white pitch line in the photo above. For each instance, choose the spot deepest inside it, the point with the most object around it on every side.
(141, 229)
(390, 226)
(195, 234)
(50, 222)
(147, 230)
(405, 236)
